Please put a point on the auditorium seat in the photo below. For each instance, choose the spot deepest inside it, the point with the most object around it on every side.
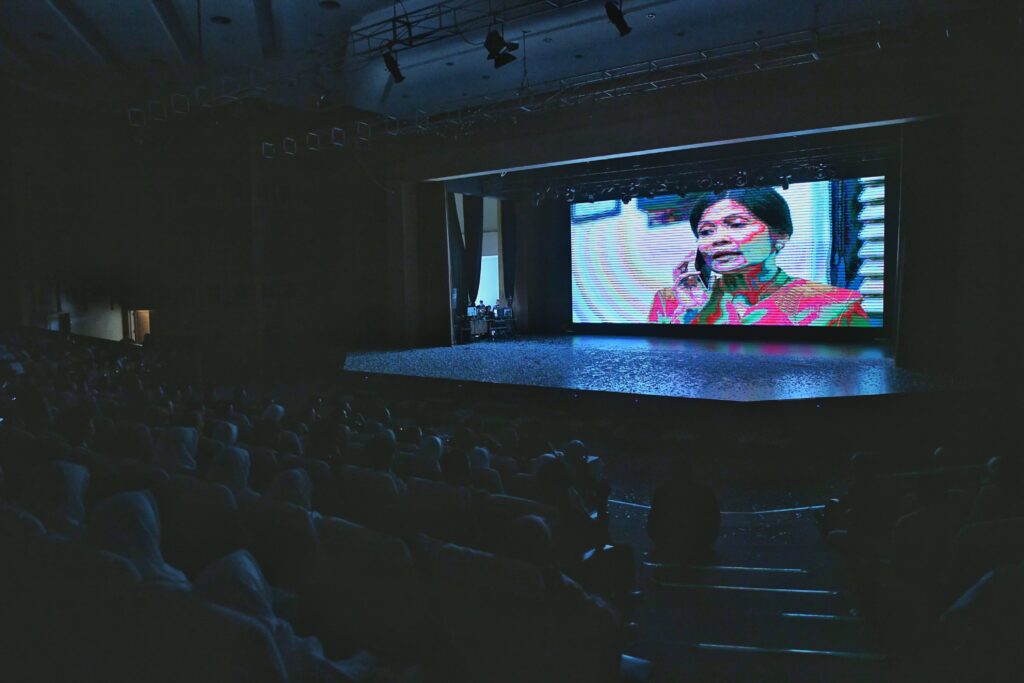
(264, 467)
(223, 431)
(134, 440)
(443, 511)
(373, 499)
(282, 538)
(496, 512)
(79, 614)
(110, 476)
(364, 593)
(63, 607)
(181, 637)
(983, 546)
(200, 522)
(16, 449)
(407, 464)
(523, 485)
(495, 614)
(206, 452)
(176, 449)
(486, 479)
(289, 442)
(326, 498)
(104, 436)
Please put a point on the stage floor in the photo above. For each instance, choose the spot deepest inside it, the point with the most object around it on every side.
(672, 368)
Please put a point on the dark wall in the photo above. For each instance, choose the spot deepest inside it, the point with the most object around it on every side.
(543, 289)
(244, 262)
(320, 259)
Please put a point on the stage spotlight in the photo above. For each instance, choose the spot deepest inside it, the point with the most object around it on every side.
(785, 181)
(705, 184)
(614, 12)
(741, 179)
(821, 172)
(662, 188)
(570, 194)
(498, 49)
(391, 62)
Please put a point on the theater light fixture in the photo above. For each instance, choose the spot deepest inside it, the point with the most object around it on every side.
(498, 49)
(391, 62)
(614, 12)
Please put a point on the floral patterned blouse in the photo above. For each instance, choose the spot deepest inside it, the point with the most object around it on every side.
(784, 301)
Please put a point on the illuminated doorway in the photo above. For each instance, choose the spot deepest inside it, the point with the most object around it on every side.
(139, 324)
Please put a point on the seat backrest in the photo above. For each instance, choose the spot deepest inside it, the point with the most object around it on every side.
(177, 448)
(16, 457)
(366, 592)
(110, 476)
(497, 512)
(523, 485)
(495, 614)
(134, 440)
(264, 467)
(981, 547)
(62, 606)
(104, 434)
(486, 479)
(282, 538)
(200, 522)
(372, 498)
(184, 638)
(443, 511)
(326, 497)
(206, 453)
(410, 464)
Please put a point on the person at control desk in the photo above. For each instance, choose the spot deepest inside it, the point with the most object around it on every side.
(740, 232)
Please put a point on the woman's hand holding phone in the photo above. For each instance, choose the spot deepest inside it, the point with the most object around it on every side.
(689, 291)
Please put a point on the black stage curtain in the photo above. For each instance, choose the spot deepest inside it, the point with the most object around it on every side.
(508, 246)
(473, 221)
(456, 255)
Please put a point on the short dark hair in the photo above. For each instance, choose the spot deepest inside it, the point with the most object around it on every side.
(763, 202)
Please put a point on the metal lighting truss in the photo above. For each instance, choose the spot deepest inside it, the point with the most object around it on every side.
(891, 32)
(444, 20)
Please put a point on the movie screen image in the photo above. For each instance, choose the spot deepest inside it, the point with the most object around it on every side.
(812, 254)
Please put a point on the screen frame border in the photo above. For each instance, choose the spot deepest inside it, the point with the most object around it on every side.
(891, 166)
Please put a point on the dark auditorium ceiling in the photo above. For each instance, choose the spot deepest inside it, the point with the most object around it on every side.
(310, 54)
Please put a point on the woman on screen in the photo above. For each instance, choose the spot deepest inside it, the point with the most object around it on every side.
(739, 234)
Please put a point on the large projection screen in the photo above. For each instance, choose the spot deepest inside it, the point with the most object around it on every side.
(812, 254)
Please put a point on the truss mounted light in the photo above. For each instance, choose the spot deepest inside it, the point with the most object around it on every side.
(499, 50)
(391, 62)
(615, 15)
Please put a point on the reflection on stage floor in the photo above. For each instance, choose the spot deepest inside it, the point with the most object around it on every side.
(676, 368)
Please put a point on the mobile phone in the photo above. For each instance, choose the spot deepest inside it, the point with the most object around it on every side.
(700, 276)
(704, 269)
